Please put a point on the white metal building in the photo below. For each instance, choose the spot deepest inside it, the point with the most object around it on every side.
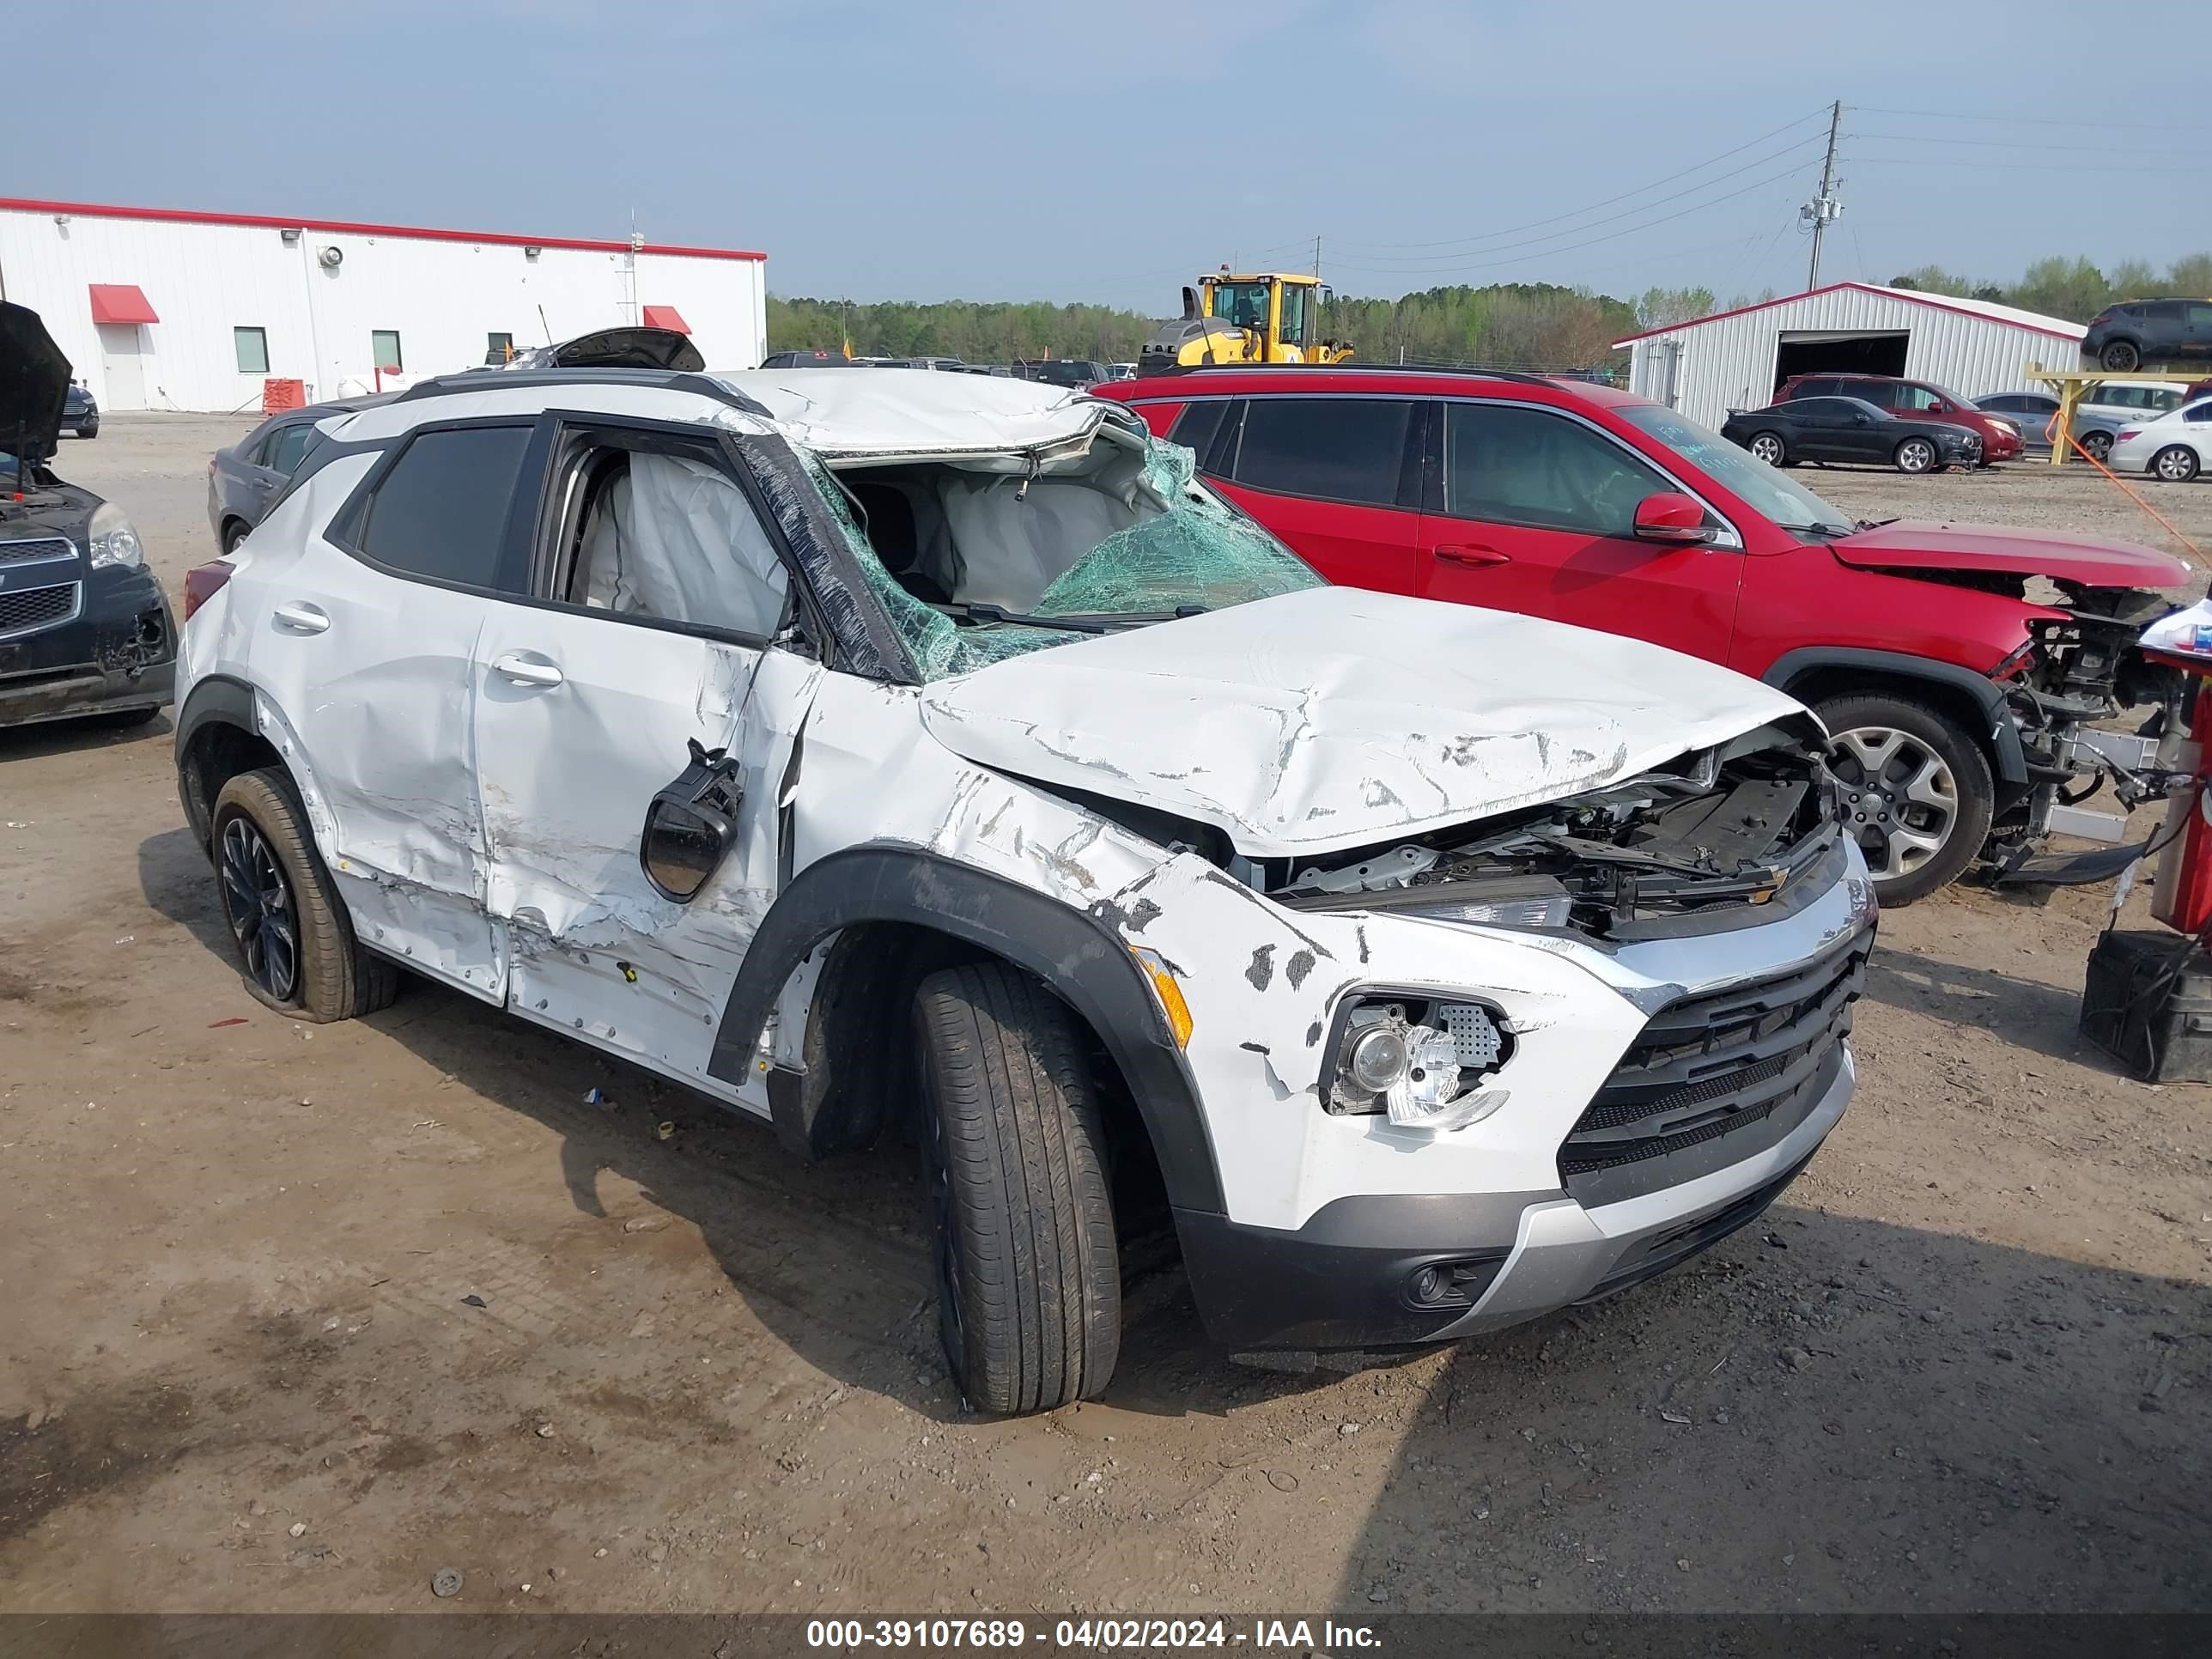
(162, 309)
(1736, 359)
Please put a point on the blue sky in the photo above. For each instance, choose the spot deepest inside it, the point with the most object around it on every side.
(988, 149)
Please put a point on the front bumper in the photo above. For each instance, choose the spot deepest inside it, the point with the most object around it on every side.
(119, 653)
(1346, 1278)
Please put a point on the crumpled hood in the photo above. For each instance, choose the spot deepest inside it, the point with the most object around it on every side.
(34, 380)
(1334, 718)
(1911, 544)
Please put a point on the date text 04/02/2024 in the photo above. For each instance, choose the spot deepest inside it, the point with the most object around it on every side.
(1261, 1635)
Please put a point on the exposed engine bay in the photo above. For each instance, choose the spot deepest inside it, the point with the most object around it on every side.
(1673, 850)
(2077, 668)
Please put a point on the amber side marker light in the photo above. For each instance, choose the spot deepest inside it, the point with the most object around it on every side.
(1169, 993)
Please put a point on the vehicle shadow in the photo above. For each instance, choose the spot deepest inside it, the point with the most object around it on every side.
(1872, 1419)
(80, 734)
(176, 880)
(2024, 1012)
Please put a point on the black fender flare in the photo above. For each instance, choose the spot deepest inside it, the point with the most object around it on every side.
(1074, 952)
(2006, 755)
(215, 700)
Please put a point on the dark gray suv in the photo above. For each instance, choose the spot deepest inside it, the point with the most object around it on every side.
(2126, 337)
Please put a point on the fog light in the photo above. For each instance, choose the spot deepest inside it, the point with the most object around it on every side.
(1430, 1285)
(1378, 1059)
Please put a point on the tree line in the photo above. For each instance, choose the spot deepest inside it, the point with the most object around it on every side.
(2076, 289)
(1505, 326)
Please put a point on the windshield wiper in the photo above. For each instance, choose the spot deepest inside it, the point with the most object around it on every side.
(1825, 531)
(999, 613)
(1872, 524)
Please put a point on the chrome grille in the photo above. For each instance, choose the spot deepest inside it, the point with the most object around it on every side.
(26, 610)
(37, 550)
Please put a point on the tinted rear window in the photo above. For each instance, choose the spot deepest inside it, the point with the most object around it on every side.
(1335, 449)
(441, 510)
(1195, 428)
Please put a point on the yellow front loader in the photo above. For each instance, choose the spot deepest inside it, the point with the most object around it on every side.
(1269, 318)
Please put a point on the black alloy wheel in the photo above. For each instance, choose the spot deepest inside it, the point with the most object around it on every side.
(257, 903)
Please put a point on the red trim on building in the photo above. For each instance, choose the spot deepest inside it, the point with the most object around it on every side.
(1934, 301)
(120, 302)
(340, 226)
(664, 316)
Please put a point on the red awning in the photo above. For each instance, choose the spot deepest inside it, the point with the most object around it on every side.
(666, 316)
(120, 302)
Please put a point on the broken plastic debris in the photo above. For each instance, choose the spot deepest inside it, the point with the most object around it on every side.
(472, 1300)
(595, 1096)
(666, 1130)
(235, 1019)
(445, 1582)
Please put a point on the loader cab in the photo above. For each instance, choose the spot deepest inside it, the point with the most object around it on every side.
(1283, 312)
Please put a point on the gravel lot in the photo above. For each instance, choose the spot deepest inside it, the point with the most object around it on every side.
(1967, 1364)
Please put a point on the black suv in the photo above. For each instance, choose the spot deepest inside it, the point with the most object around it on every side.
(83, 627)
(2126, 337)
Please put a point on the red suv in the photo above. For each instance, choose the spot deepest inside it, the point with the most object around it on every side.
(1913, 400)
(1956, 703)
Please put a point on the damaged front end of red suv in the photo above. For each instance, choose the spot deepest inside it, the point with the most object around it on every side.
(2083, 604)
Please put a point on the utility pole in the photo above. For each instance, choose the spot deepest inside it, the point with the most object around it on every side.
(1824, 206)
(1316, 258)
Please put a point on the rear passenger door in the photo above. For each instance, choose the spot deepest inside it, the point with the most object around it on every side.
(367, 657)
(1536, 512)
(656, 591)
(1337, 478)
(2197, 329)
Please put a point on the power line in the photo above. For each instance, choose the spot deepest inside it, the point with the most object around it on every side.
(1509, 230)
(2029, 120)
(1454, 261)
(1546, 253)
(1921, 164)
(2067, 145)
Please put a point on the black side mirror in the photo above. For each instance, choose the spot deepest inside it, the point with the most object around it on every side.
(691, 825)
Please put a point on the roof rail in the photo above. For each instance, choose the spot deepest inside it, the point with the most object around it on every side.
(1529, 376)
(666, 379)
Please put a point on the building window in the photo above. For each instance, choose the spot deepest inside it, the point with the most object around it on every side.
(253, 348)
(499, 347)
(384, 349)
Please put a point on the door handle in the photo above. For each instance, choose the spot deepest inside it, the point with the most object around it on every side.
(526, 668)
(301, 616)
(1473, 555)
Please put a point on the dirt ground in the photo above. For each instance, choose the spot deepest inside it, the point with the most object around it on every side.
(297, 1316)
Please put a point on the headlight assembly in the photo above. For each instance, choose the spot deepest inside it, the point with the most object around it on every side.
(1424, 1061)
(110, 539)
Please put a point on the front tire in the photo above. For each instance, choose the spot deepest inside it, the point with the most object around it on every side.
(1918, 793)
(2175, 463)
(1916, 455)
(90, 429)
(1013, 1149)
(295, 939)
(1769, 447)
(2098, 446)
(2122, 356)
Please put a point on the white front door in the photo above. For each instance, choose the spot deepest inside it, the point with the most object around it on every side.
(567, 768)
(122, 365)
(657, 591)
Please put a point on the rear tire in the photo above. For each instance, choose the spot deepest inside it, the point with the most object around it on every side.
(295, 938)
(1028, 1268)
(1769, 447)
(2175, 463)
(234, 532)
(1935, 784)
(1916, 455)
(2121, 355)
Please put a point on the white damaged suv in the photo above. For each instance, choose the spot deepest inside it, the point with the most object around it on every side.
(931, 754)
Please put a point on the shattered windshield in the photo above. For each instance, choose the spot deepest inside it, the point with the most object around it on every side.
(974, 566)
(1774, 493)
